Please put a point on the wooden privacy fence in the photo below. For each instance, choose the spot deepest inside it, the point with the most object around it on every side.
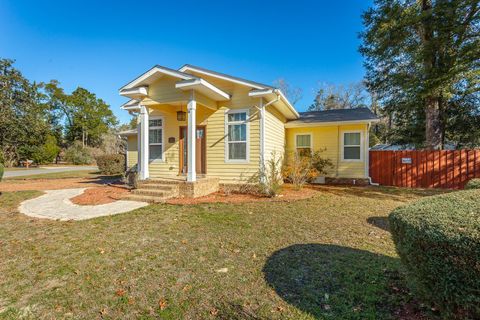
(425, 169)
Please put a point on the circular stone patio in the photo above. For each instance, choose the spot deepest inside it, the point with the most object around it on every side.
(56, 205)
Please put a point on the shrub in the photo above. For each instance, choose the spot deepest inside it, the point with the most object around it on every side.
(267, 182)
(319, 163)
(271, 179)
(77, 154)
(130, 177)
(473, 184)
(111, 163)
(438, 240)
(301, 168)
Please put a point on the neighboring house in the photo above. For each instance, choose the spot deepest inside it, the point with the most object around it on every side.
(236, 126)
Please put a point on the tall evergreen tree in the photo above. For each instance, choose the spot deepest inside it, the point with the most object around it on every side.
(422, 56)
(86, 117)
(23, 118)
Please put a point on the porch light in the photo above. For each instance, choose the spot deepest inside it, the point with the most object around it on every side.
(181, 115)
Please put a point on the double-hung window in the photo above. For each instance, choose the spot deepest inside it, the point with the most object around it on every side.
(237, 135)
(303, 144)
(155, 137)
(352, 146)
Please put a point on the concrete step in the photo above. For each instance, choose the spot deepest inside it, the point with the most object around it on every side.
(157, 186)
(160, 181)
(154, 193)
(143, 198)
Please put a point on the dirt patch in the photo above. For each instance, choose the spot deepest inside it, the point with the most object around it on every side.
(49, 184)
(100, 195)
(288, 194)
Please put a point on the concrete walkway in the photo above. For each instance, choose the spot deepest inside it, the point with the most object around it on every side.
(56, 205)
(42, 170)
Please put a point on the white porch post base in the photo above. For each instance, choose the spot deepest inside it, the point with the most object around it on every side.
(191, 138)
(143, 155)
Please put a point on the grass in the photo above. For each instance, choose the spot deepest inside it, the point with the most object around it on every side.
(60, 175)
(327, 257)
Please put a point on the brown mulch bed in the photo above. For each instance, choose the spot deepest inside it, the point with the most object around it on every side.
(100, 195)
(288, 193)
(47, 184)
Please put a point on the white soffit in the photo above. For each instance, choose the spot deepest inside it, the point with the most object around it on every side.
(204, 87)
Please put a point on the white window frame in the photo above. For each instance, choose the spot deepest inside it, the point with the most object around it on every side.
(162, 127)
(227, 142)
(342, 143)
(304, 134)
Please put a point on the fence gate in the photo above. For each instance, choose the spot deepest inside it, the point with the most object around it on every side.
(424, 169)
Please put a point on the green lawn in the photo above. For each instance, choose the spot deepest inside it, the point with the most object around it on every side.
(328, 257)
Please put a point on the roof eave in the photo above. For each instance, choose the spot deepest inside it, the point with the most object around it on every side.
(272, 93)
(223, 76)
(156, 69)
(299, 124)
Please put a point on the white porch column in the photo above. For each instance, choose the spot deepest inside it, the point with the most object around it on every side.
(144, 144)
(262, 141)
(191, 138)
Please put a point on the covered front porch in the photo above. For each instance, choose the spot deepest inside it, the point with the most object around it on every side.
(172, 124)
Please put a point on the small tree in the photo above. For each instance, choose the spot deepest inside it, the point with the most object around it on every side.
(47, 152)
(298, 170)
(302, 167)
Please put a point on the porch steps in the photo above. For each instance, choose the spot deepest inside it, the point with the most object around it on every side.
(155, 190)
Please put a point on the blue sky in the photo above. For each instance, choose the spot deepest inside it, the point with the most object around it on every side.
(101, 45)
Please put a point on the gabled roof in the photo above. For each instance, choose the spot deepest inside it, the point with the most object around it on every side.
(154, 73)
(137, 89)
(215, 74)
(357, 115)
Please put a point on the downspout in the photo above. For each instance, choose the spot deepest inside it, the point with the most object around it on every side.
(262, 109)
(338, 151)
(367, 158)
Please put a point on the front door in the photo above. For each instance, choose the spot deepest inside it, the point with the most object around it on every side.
(200, 148)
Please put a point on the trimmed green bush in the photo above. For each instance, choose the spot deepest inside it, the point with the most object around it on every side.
(77, 154)
(438, 241)
(111, 163)
(473, 184)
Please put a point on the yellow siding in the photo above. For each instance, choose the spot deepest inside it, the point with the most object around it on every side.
(216, 164)
(132, 151)
(278, 138)
(274, 134)
(214, 120)
(329, 139)
(163, 90)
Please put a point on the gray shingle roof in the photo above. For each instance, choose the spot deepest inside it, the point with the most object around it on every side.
(335, 115)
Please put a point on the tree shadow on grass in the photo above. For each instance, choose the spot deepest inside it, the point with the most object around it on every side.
(335, 282)
(379, 222)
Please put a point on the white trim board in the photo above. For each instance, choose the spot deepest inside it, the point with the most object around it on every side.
(157, 69)
(295, 124)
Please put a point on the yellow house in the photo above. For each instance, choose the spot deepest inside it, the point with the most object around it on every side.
(195, 122)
